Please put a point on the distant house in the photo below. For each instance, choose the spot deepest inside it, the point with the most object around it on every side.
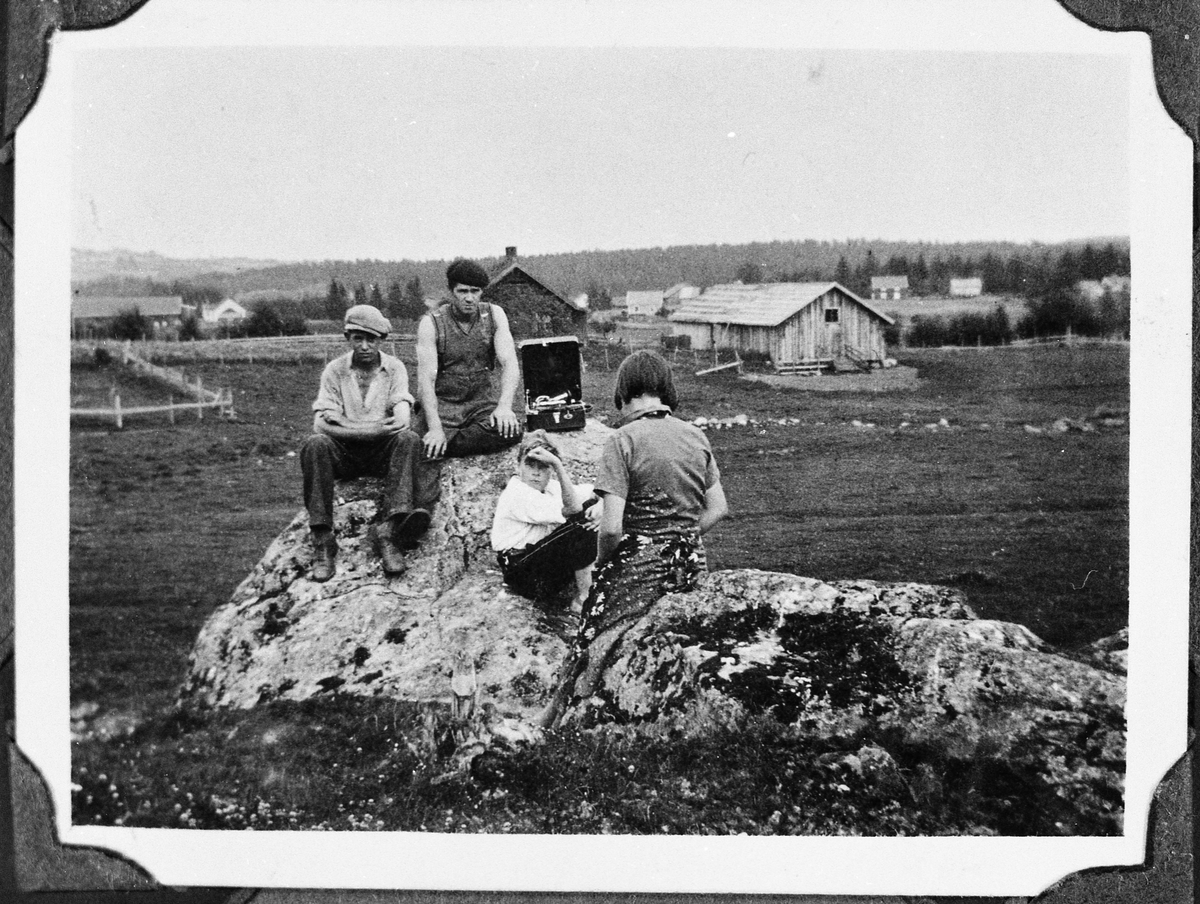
(677, 293)
(226, 312)
(1095, 289)
(92, 315)
(533, 308)
(643, 304)
(791, 323)
(966, 287)
(889, 288)
(1116, 284)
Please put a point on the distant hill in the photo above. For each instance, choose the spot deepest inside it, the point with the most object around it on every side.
(569, 273)
(91, 266)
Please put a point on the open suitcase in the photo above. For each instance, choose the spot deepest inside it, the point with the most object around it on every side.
(551, 369)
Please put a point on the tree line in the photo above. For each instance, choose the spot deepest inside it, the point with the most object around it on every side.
(1029, 273)
(1061, 310)
(1006, 268)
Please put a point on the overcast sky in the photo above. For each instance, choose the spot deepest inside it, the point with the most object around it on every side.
(430, 152)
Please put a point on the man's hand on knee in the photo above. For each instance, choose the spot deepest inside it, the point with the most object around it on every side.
(435, 443)
(505, 422)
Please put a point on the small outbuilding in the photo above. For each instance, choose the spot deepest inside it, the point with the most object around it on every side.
(966, 287)
(794, 324)
(533, 308)
(889, 288)
(643, 303)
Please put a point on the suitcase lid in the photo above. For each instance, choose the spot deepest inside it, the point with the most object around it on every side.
(551, 366)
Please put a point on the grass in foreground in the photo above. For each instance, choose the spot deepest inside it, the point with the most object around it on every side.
(357, 764)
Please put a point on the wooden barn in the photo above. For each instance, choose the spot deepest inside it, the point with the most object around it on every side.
(533, 308)
(93, 315)
(794, 324)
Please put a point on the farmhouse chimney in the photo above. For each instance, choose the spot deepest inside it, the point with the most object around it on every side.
(510, 253)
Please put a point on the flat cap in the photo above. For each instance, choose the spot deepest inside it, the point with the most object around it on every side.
(368, 319)
(466, 273)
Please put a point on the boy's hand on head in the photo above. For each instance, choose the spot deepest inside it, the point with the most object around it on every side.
(544, 455)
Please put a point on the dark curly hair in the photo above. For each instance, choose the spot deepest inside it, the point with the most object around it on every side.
(645, 373)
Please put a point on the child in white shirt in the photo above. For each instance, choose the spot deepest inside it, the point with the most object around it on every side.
(544, 530)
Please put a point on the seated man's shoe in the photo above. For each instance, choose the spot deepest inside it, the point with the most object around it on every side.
(390, 555)
(407, 530)
(324, 556)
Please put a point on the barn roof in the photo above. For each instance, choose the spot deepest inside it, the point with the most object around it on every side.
(765, 304)
(512, 268)
(111, 306)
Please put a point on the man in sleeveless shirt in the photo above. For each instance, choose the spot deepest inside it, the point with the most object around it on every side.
(361, 427)
(460, 347)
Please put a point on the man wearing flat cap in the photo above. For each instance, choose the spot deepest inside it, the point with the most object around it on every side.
(362, 429)
(462, 348)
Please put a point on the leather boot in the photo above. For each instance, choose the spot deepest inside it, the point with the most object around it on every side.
(407, 529)
(389, 553)
(324, 554)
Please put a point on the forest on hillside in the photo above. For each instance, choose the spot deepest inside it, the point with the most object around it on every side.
(322, 289)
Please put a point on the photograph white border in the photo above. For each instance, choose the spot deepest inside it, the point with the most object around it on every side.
(1160, 438)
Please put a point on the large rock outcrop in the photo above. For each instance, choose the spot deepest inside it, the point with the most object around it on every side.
(909, 662)
(285, 636)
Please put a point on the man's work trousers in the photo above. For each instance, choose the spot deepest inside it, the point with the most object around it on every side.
(410, 481)
(475, 437)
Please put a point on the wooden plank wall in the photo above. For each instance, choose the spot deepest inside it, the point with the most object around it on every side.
(801, 337)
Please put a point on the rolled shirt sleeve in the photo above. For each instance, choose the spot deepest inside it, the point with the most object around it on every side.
(398, 391)
(329, 395)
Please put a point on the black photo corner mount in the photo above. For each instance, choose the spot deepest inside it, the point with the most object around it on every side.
(77, 875)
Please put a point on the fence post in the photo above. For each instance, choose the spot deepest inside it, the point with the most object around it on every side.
(200, 399)
(171, 408)
(125, 351)
(117, 410)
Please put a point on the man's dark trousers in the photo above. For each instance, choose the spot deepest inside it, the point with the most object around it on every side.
(410, 481)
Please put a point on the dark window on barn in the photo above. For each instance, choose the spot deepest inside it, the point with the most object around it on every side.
(831, 315)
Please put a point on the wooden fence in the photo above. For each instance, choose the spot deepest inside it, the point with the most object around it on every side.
(221, 400)
(263, 349)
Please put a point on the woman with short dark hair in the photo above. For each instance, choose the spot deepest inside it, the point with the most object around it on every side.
(661, 489)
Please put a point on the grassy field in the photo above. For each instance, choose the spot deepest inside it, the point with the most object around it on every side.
(165, 521)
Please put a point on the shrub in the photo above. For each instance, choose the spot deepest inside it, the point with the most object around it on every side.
(1059, 309)
(129, 324)
(969, 328)
(675, 343)
(280, 318)
(189, 329)
(927, 331)
(891, 331)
